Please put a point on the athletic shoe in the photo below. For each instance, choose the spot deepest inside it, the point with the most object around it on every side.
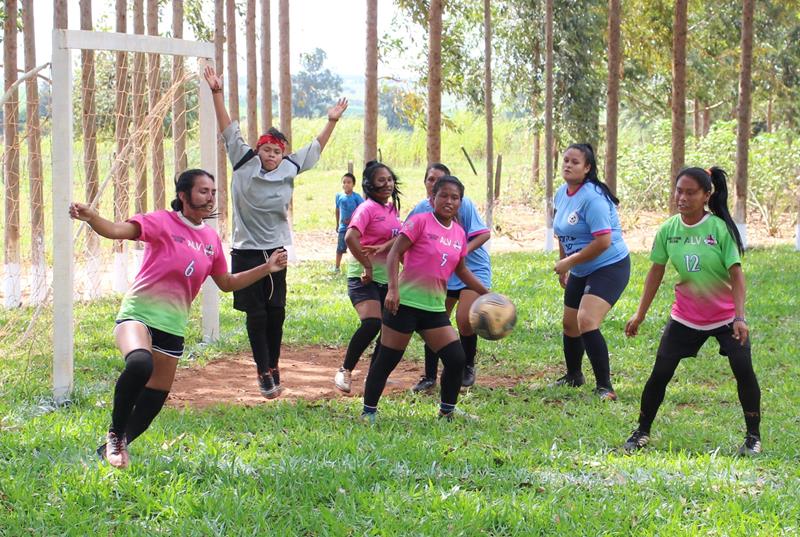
(101, 451)
(457, 414)
(605, 394)
(573, 381)
(469, 376)
(637, 441)
(750, 447)
(368, 418)
(117, 451)
(425, 384)
(276, 377)
(267, 386)
(343, 380)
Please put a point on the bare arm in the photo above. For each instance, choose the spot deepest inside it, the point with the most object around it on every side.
(215, 84)
(466, 276)
(399, 248)
(233, 282)
(598, 245)
(337, 219)
(651, 284)
(334, 113)
(477, 242)
(104, 228)
(740, 328)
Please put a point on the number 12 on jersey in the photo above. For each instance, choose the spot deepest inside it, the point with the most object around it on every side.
(692, 262)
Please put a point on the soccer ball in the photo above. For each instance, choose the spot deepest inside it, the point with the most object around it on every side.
(492, 316)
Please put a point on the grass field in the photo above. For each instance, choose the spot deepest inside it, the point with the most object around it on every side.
(542, 461)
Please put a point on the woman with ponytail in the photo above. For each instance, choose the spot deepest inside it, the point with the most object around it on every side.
(180, 252)
(594, 267)
(370, 234)
(705, 248)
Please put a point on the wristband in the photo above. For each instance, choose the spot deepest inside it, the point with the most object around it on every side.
(740, 319)
(219, 90)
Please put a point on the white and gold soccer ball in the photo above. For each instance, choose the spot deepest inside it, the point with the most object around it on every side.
(493, 316)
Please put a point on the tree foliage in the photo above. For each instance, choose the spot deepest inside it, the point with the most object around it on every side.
(314, 89)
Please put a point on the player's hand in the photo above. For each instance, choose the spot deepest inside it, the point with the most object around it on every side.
(336, 111)
(214, 81)
(366, 276)
(81, 211)
(740, 332)
(632, 326)
(562, 280)
(278, 260)
(392, 302)
(563, 266)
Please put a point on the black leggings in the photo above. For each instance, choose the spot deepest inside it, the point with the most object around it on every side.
(265, 332)
(680, 341)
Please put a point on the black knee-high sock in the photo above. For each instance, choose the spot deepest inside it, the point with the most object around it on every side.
(573, 354)
(654, 390)
(360, 340)
(431, 363)
(257, 334)
(379, 372)
(597, 350)
(453, 359)
(138, 368)
(147, 407)
(275, 318)
(470, 346)
(749, 392)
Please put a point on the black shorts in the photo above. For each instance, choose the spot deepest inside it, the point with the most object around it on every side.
(454, 293)
(266, 292)
(681, 341)
(606, 282)
(409, 319)
(358, 292)
(161, 341)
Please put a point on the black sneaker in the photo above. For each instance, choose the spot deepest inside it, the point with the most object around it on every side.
(573, 381)
(425, 384)
(276, 377)
(267, 386)
(469, 376)
(750, 447)
(637, 441)
(605, 394)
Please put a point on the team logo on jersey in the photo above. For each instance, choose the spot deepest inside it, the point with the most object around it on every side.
(209, 250)
(673, 240)
(457, 245)
(572, 219)
(710, 240)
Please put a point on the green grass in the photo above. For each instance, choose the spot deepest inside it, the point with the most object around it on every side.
(541, 461)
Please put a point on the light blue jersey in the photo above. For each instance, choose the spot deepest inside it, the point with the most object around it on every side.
(582, 216)
(347, 206)
(478, 260)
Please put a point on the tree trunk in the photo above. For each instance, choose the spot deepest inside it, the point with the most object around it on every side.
(434, 149)
(697, 127)
(498, 171)
(548, 123)
(537, 150)
(13, 290)
(769, 115)
(371, 84)
(139, 113)
(38, 286)
(285, 71)
(252, 74)
(154, 83)
(60, 14)
(121, 126)
(678, 95)
(89, 127)
(266, 67)
(743, 117)
(612, 99)
(179, 102)
(233, 67)
(487, 97)
(706, 120)
(222, 156)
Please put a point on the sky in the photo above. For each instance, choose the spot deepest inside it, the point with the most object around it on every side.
(338, 27)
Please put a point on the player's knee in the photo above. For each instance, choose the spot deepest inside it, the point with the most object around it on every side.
(139, 363)
(371, 325)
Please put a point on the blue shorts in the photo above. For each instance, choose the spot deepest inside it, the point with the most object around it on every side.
(606, 282)
(341, 247)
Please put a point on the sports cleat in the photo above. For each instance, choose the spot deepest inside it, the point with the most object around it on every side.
(425, 384)
(117, 451)
(343, 380)
(276, 377)
(573, 381)
(469, 376)
(637, 441)
(368, 418)
(457, 414)
(267, 386)
(751, 446)
(605, 394)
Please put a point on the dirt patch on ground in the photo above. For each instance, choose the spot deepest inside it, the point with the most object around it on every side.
(306, 373)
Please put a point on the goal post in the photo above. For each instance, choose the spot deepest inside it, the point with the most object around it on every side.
(64, 42)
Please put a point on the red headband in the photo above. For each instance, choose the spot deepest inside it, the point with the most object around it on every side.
(270, 139)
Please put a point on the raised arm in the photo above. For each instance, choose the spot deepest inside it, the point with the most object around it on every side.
(651, 284)
(104, 228)
(334, 113)
(216, 86)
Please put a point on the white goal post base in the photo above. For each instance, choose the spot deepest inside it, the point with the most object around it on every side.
(742, 233)
(64, 42)
(549, 244)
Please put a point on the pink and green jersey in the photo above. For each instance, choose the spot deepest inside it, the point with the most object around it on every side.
(434, 254)
(178, 257)
(377, 224)
(702, 254)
